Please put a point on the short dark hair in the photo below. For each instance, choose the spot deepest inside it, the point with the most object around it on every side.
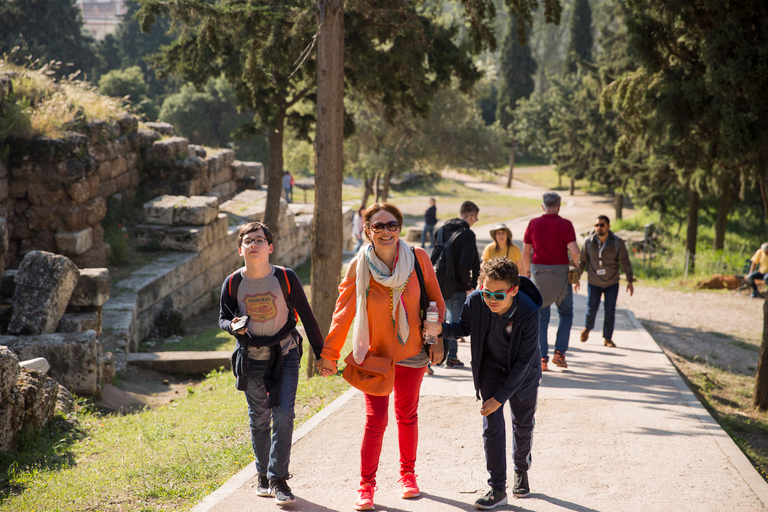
(250, 227)
(604, 218)
(468, 208)
(500, 269)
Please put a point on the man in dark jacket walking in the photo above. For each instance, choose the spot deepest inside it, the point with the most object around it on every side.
(466, 265)
(502, 319)
(601, 255)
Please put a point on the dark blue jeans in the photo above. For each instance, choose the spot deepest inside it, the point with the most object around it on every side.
(750, 279)
(494, 430)
(428, 228)
(565, 311)
(593, 303)
(453, 307)
(273, 452)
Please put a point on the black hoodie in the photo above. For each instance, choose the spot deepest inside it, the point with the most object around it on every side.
(465, 253)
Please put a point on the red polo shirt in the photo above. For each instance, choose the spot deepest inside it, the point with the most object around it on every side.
(550, 235)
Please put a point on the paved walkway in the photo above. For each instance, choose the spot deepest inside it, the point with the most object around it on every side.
(617, 431)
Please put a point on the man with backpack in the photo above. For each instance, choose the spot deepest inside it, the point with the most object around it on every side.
(260, 305)
(457, 266)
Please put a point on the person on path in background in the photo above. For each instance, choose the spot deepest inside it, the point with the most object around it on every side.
(268, 362)
(601, 255)
(288, 186)
(502, 319)
(430, 219)
(546, 246)
(381, 294)
(467, 266)
(357, 227)
(758, 269)
(502, 246)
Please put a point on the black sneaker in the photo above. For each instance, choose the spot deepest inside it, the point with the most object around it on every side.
(283, 494)
(492, 499)
(521, 487)
(262, 488)
(453, 363)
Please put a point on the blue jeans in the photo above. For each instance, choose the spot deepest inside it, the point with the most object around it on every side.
(453, 308)
(611, 293)
(750, 279)
(273, 452)
(565, 310)
(428, 228)
(494, 430)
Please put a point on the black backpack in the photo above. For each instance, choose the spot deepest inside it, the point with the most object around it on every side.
(444, 260)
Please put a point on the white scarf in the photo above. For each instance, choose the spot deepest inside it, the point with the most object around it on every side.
(369, 264)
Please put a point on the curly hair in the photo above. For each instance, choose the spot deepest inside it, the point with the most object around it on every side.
(500, 269)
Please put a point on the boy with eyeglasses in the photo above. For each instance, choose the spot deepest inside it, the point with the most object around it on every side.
(502, 319)
(267, 359)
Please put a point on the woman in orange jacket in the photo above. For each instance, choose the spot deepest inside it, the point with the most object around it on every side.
(382, 285)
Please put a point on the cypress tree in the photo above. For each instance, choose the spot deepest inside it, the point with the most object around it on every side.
(517, 67)
(581, 40)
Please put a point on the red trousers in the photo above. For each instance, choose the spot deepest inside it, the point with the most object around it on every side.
(407, 388)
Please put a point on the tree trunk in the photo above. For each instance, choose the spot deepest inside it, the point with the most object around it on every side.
(723, 207)
(329, 166)
(764, 195)
(377, 187)
(368, 191)
(693, 224)
(511, 164)
(385, 187)
(275, 183)
(618, 205)
(572, 187)
(761, 376)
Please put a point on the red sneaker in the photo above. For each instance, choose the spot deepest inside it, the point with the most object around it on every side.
(408, 487)
(365, 497)
(559, 359)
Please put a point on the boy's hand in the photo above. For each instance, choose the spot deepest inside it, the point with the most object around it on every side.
(239, 331)
(489, 407)
(326, 367)
(436, 351)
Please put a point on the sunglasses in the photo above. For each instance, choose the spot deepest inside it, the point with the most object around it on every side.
(497, 296)
(392, 226)
(600, 225)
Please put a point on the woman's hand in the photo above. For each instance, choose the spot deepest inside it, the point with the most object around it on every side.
(326, 367)
(436, 351)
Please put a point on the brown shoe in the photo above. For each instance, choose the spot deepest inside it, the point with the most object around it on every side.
(559, 359)
(584, 335)
(544, 366)
(609, 343)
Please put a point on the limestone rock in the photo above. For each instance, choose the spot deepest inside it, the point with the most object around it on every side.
(74, 357)
(9, 372)
(92, 288)
(44, 285)
(165, 129)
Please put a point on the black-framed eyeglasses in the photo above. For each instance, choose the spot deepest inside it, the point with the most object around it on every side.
(392, 226)
(497, 296)
(247, 242)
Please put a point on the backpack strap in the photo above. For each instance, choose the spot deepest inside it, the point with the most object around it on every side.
(285, 285)
(234, 283)
(423, 301)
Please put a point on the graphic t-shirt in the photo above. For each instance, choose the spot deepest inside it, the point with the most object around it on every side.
(263, 301)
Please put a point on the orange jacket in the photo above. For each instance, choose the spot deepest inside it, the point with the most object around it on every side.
(381, 328)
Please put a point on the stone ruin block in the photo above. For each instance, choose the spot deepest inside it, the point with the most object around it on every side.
(95, 257)
(173, 148)
(143, 139)
(181, 210)
(8, 286)
(75, 358)
(74, 243)
(181, 238)
(44, 285)
(81, 321)
(196, 150)
(164, 129)
(9, 371)
(249, 206)
(92, 288)
(250, 172)
(224, 191)
(3, 243)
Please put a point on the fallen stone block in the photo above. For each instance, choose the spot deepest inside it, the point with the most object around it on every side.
(9, 371)
(92, 288)
(74, 357)
(74, 243)
(81, 322)
(39, 364)
(44, 285)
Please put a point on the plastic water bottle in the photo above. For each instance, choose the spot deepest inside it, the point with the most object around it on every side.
(432, 317)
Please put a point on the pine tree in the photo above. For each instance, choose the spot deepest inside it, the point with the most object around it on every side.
(581, 39)
(517, 68)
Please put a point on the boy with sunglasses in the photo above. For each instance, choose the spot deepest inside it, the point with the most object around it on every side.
(502, 319)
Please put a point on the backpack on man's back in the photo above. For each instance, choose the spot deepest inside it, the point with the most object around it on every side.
(444, 260)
